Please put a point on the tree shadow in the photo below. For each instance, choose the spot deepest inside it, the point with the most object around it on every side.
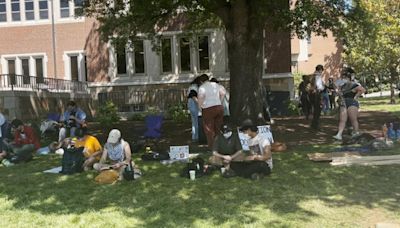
(163, 199)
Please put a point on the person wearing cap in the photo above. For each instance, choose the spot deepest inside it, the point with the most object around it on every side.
(92, 148)
(257, 162)
(226, 147)
(73, 118)
(23, 146)
(210, 98)
(116, 153)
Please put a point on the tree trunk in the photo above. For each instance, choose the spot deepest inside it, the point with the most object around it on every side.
(393, 80)
(244, 34)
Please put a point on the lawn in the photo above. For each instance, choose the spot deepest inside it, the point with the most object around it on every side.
(299, 193)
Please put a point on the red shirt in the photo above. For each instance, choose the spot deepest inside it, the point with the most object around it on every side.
(28, 137)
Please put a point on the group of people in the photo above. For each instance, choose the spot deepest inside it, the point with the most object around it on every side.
(208, 99)
(19, 142)
(316, 95)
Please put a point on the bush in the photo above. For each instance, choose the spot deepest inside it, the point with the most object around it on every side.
(293, 108)
(107, 114)
(178, 112)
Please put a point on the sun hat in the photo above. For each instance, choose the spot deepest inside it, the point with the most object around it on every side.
(114, 136)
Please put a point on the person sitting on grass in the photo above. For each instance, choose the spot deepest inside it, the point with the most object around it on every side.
(257, 162)
(116, 154)
(92, 148)
(226, 147)
(23, 146)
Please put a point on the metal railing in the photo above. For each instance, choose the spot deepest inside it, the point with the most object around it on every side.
(12, 82)
(160, 99)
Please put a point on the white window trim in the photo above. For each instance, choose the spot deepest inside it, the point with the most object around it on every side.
(197, 52)
(18, 63)
(81, 64)
(130, 61)
(191, 55)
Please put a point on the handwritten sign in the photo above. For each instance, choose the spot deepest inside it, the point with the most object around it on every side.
(178, 152)
(264, 131)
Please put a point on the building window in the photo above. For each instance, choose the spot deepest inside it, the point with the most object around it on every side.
(64, 8)
(203, 54)
(78, 4)
(15, 10)
(39, 70)
(25, 71)
(29, 10)
(3, 11)
(11, 70)
(74, 68)
(138, 57)
(121, 59)
(43, 9)
(166, 53)
(184, 44)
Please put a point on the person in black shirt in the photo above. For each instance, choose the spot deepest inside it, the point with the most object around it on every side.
(349, 106)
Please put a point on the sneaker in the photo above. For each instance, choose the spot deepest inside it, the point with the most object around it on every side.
(257, 176)
(228, 173)
(337, 137)
(355, 134)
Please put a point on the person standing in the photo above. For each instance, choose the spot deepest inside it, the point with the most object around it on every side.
(73, 118)
(210, 98)
(349, 106)
(194, 109)
(304, 89)
(317, 88)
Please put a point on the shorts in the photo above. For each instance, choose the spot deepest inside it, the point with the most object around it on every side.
(351, 102)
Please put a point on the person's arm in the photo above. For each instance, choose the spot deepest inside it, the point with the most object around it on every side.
(359, 90)
(103, 156)
(266, 154)
(201, 97)
(239, 152)
(222, 93)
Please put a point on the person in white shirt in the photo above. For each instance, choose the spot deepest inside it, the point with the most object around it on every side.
(210, 98)
(255, 163)
(318, 87)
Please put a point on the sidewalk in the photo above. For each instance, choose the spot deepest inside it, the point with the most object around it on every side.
(380, 94)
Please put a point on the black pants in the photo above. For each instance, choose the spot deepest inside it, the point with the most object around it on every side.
(317, 110)
(247, 168)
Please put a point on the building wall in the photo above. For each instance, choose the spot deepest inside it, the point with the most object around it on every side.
(318, 50)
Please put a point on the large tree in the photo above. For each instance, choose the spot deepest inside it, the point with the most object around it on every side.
(242, 20)
(372, 38)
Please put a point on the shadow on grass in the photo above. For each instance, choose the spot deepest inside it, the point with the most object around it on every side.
(162, 198)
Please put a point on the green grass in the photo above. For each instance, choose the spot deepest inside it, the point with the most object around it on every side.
(299, 193)
(380, 104)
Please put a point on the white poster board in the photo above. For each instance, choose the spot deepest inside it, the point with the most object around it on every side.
(179, 152)
(264, 131)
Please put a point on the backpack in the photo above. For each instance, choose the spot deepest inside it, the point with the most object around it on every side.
(155, 156)
(196, 164)
(72, 160)
(131, 173)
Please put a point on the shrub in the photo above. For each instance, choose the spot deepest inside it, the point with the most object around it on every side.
(293, 108)
(178, 112)
(107, 114)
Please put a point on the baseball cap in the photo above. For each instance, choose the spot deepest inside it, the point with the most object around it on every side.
(114, 136)
(246, 124)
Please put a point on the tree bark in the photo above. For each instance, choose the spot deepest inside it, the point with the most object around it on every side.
(244, 35)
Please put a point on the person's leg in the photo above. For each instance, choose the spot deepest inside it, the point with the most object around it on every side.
(317, 111)
(23, 153)
(342, 122)
(62, 134)
(214, 160)
(353, 116)
(218, 119)
(99, 166)
(89, 162)
(208, 125)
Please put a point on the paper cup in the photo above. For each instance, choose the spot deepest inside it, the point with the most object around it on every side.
(192, 174)
(223, 170)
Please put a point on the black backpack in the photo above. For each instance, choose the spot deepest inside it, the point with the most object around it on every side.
(197, 165)
(72, 160)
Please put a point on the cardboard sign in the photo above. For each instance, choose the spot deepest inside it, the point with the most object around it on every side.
(264, 131)
(178, 152)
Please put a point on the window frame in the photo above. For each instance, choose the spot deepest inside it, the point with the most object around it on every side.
(5, 11)
(16, 2)
(29, 11)
(171, 55)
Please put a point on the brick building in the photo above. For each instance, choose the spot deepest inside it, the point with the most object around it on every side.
(45, 51)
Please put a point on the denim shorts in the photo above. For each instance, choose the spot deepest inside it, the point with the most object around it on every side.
(351, 102)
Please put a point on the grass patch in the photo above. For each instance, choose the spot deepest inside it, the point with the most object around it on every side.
(380, 104)
(299, 193)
